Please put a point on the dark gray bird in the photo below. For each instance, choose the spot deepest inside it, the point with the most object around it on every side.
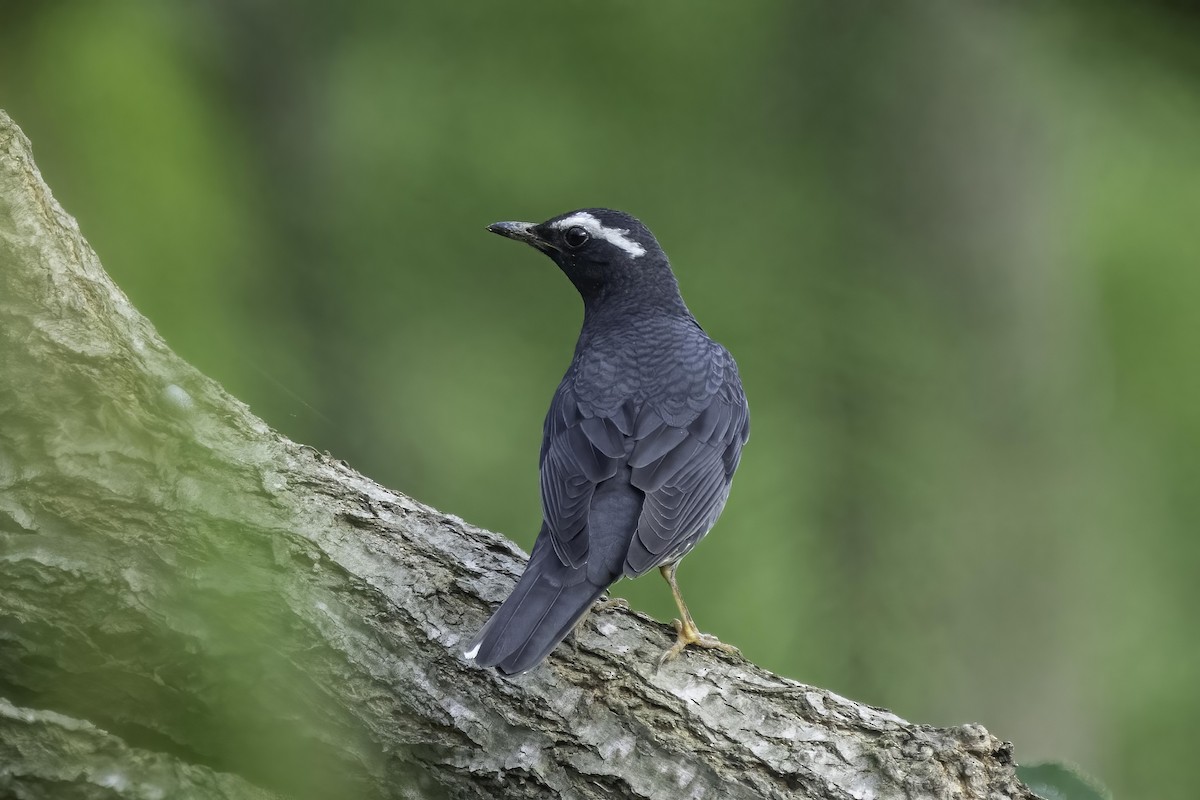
(639, 446)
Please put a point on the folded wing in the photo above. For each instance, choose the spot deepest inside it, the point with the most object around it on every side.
(684, 467)
(578, 453)
(686, 471)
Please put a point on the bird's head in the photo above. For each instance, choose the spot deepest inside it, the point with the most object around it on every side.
(605, 253)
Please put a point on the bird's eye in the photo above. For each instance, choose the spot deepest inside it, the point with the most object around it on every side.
(576, 237)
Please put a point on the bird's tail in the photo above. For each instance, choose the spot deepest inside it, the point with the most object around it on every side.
(543, 608)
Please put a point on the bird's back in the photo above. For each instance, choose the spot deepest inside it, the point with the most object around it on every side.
(662, 412)
(668, 362)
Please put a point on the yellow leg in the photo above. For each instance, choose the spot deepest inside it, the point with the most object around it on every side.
(685, 627)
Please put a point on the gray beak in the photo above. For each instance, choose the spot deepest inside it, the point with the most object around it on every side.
(521, 231)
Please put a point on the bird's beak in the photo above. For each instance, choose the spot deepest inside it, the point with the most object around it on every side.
(521, 231)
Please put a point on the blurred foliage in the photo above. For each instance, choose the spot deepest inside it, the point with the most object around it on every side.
(952, 245)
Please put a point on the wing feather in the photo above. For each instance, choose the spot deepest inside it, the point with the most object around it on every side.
(684, 468)
(656, 445)
(578, 453)
(686, 472)
(604, 435)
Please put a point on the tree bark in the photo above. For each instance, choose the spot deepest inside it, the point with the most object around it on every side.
(191, 604)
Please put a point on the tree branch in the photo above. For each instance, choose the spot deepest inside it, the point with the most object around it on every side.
(252, 617)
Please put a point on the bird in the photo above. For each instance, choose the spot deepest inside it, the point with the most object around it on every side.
(639, 445)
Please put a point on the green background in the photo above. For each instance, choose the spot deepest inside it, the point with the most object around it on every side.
(953, 246)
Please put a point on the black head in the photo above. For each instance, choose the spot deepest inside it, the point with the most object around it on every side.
(605, 253)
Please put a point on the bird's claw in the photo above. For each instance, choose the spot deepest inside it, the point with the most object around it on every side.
(688, 635)
(609, 603)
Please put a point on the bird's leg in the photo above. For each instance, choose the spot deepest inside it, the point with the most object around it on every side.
(685, 627)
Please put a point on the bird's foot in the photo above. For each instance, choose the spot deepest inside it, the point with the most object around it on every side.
(689, 635)
(609, 603)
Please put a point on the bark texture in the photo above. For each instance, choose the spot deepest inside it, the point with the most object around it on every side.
(192, 605)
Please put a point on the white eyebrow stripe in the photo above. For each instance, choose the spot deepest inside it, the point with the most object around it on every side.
(614, 236)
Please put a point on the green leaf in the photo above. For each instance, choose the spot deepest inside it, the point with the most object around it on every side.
(1054, 781)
